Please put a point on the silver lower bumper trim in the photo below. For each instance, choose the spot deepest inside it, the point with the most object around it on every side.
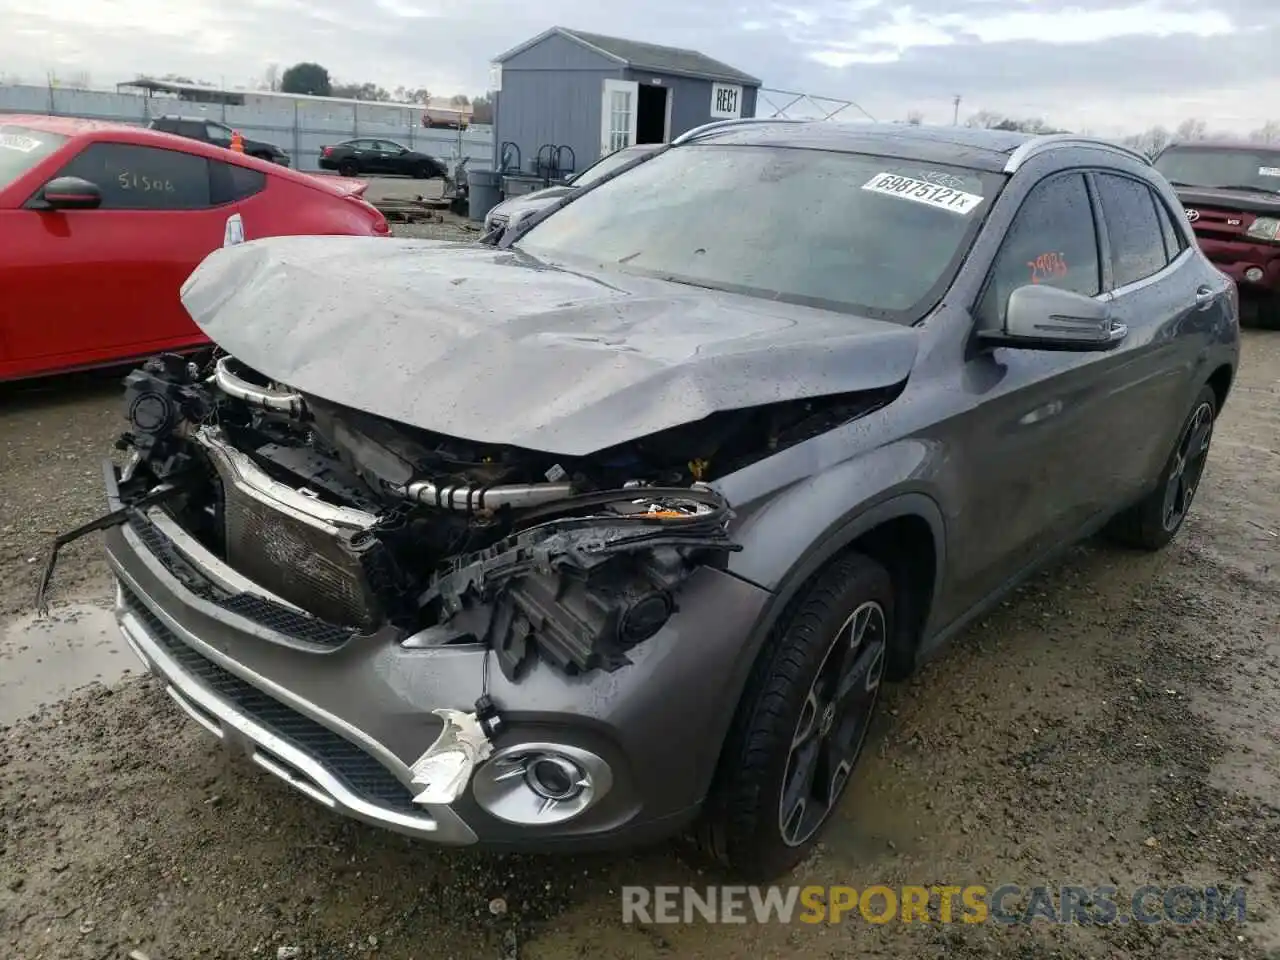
(275, 754)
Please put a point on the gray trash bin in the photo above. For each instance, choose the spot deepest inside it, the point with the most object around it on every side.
(483, 192)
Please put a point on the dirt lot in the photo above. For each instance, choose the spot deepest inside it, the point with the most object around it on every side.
(1116, 723)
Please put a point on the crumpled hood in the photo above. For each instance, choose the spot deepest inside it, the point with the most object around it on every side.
(492, 346)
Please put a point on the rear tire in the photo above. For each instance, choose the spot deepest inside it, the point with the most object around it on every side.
(799, 729)
(348, 168)
(1268, 312)
(1153, 521)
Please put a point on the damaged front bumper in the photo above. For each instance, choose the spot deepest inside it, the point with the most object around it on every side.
(350, 723)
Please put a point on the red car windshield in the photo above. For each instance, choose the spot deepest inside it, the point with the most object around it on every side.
(21, 148)
(1243, 168)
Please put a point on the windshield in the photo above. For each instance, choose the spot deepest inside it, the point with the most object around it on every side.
(1243, 168)
(605, 166)
(842, 231)
(21, 148)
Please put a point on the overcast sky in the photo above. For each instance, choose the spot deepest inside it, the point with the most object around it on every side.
(1104, 65)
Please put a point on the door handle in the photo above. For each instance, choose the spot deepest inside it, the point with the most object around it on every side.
(1205, 296)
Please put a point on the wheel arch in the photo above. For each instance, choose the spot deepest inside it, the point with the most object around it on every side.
(894, 532)
(1220, 382)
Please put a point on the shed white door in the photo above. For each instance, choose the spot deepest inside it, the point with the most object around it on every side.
(618, 115)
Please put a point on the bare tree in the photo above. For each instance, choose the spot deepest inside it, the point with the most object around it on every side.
(986, 119)
(271, 77)
(1191, 128)
(1150, 141)
(915, 118)
(413, 95)
(1269, 132)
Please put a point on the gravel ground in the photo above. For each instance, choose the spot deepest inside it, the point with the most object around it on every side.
(1115, 722)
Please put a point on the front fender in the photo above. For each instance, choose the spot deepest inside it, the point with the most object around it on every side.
(790, 529)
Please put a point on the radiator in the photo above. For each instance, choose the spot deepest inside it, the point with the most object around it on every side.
(311, 553)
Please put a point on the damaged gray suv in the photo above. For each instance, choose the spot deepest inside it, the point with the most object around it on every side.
(611, 532)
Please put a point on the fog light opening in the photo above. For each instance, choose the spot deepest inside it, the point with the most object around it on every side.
(555, 779)
(1254, 274)
(540, 784)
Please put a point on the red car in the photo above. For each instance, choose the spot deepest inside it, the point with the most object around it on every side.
(101, 224)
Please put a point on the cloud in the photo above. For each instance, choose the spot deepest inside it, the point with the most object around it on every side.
(1102, 64)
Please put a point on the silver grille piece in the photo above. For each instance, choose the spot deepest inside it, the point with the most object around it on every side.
(308, 552)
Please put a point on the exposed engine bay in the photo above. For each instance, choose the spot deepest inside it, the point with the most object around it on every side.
(352, 523)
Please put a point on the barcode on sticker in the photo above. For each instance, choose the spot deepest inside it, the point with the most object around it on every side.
(15, 141)
(1269, 171)
(922, 191)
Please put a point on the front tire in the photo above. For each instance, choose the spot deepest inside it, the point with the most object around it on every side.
(800, 727)
(1153, 521)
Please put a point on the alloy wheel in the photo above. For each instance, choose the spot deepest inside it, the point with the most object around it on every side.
(833, 724)
(1188, 465)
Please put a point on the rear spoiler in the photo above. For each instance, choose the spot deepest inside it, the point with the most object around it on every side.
(353, 188)
(342, 186)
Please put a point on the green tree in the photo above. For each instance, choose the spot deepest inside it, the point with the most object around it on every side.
(307, 78)
(482, 110)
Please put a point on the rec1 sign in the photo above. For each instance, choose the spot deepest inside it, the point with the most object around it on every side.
(726, 101)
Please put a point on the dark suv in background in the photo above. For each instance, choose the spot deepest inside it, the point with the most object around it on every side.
(218, 134)
(1231, 194)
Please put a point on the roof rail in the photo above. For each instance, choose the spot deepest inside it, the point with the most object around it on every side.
(1029, 148)
(717, 125)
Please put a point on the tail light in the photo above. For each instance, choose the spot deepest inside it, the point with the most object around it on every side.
(325, 151)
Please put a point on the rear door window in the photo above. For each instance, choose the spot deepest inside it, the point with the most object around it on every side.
(1174, 243)
(1053, 240)
(21, 148)
(1137, 240)
(134, 177)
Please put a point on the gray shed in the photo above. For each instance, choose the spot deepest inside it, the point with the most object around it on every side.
(595, 94)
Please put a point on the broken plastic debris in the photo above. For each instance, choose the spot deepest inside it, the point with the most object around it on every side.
(445, 769)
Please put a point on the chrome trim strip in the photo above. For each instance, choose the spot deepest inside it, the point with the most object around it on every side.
(253, 481)
(194, 712)
(1029, 148)
(196, 553)
(235, 725)
(233, 386)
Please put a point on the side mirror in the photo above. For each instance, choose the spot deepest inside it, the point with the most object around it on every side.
(71, 193)
(1049, 318)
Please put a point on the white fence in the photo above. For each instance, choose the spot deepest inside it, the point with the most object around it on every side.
(300, 127)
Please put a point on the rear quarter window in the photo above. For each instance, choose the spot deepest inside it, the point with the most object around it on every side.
(229, 182)
(22, 148)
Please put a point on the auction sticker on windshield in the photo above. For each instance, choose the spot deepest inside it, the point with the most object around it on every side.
(1269, 171)
(16, 141)
(922, 191)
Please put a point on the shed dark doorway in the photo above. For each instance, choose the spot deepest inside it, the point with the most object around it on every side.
(651, 114)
